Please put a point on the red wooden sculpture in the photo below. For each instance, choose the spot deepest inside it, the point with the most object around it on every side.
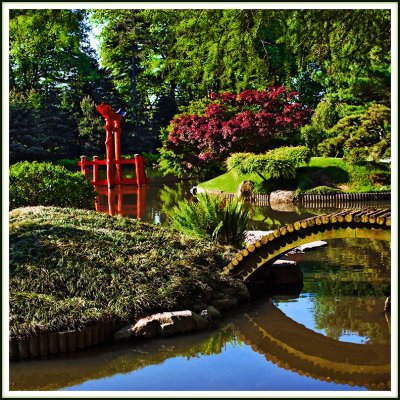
(113, 158)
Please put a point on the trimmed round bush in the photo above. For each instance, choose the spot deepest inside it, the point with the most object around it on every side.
(279, 163)
(45, 184)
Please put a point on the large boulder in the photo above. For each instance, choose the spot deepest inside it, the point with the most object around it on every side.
(281, 196)
(283, 272)
(164, 324)
(282, 200)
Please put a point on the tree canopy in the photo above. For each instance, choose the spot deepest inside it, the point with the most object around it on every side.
(155, 62)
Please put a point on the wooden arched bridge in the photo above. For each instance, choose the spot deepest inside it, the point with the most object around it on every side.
(360, 223)
(292, 346)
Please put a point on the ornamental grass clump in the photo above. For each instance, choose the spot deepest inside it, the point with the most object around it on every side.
(213, 218)
(33, 313)
(69, 268)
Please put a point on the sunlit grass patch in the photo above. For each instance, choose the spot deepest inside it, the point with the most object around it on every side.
(119, 267)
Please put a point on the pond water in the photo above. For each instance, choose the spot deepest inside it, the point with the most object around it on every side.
(334, 336)
(152, 202)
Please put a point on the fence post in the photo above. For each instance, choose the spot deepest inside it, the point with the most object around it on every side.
(83, 164)
(111, 201)
(140, 171)
(95, 170)
(84, 170)
(117, 146)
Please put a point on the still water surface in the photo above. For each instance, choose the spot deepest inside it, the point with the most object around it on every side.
(333, 336)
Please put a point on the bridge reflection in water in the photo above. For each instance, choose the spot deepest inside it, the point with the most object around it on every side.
(264, 327)
(294, 347)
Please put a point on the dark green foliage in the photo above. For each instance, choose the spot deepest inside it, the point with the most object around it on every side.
(91, 128)
(25, 136)
(34, 184)
(41, 127)
(59, 130)
(69, 164)
(352, 48)
(212, 217)
(325, 117)
(360, 136)
(151, 159)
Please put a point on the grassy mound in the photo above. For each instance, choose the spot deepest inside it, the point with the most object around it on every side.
(69, 268)
(321, 171)
(230, 181)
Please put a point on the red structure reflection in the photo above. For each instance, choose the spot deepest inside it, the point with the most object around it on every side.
(127, 201)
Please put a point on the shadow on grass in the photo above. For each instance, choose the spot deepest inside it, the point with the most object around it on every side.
(309, 177)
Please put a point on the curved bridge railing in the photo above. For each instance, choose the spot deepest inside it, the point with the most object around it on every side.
(362, 223)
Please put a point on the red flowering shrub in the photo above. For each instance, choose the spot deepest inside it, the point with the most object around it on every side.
(249, 121)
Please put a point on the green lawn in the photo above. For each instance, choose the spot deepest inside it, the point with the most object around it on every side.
(321, 171)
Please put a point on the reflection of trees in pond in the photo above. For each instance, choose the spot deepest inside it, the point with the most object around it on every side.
(170, 195)
(363, 262)
(363, 315)
(63, 371)
(266, 218)
(215, 342)
(350, 279)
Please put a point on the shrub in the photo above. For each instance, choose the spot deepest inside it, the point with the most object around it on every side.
(71, 164)
(252, 120)
(151, 159)
(221, 220)
(236, 161)
(299, 155)
(34, 184)
(275, 164)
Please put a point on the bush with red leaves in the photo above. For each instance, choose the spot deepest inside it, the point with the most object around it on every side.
(248, 122)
